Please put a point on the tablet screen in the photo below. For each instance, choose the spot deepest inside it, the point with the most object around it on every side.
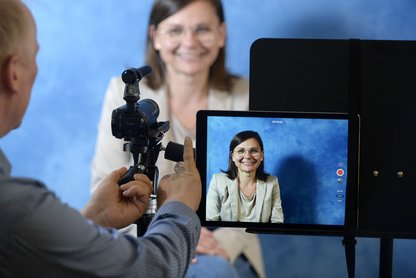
(278, 170)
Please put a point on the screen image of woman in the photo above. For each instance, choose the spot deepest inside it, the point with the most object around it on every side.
(244, 192)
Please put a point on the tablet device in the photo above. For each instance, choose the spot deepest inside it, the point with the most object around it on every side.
(305, 171)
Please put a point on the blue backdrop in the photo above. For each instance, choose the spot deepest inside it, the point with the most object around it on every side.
(84, 43)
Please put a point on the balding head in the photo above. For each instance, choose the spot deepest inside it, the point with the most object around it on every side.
(14, 22)
(18, 68)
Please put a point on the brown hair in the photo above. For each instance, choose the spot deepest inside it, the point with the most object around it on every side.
(219, 77)
(13, 25)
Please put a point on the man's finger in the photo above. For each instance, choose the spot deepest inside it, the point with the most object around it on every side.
(188, 153)
(117, 174)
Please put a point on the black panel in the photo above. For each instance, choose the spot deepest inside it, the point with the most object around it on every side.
(388, 136)
(375, 79)
(299, 75)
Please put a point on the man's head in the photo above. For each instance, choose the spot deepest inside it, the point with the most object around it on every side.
(18, 68)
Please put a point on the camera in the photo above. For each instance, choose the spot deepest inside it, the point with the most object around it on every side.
(136, 123)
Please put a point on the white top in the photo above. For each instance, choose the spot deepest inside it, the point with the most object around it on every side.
(246, 208)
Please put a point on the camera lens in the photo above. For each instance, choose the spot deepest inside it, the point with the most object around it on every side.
(149, 110)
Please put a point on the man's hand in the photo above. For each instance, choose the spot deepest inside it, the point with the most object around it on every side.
(208, 245)
(185, 184)
(117, 206)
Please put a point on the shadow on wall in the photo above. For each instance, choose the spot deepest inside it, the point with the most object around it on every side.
(297, 173)
(327, 24)
(324, 26)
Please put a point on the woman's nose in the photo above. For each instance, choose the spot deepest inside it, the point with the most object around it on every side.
(190, 37)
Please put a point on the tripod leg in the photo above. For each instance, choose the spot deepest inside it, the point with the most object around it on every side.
(386, 257)
(349, 245)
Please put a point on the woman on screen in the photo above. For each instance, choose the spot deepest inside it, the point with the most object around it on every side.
(245, 192)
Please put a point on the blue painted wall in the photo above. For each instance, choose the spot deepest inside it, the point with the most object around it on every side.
(84, 43)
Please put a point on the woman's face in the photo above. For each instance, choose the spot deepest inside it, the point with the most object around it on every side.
(247, 156)
(189, 41)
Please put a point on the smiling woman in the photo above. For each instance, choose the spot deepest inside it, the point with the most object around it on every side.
(186, 51)
(190, 40)
(234, 194)
(188, 74)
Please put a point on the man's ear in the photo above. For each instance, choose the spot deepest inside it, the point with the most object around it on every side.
(11, 74)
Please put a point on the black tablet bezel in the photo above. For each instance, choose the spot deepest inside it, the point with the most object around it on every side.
(314, 229)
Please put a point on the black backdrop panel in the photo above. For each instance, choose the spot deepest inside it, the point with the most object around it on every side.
(299, 75)
(375, 79)
(387, 201)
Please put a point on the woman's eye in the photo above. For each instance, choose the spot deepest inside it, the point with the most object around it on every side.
(175, 32)
(202, 29)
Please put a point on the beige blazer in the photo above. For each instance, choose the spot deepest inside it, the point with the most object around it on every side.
(222, 200)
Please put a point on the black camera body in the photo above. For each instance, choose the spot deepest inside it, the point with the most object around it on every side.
(135, 121)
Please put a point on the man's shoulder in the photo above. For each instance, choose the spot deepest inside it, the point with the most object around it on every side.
(20, 197)
(18, 194)
(22, 192)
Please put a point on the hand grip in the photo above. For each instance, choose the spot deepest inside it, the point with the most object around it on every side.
(129, 176)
